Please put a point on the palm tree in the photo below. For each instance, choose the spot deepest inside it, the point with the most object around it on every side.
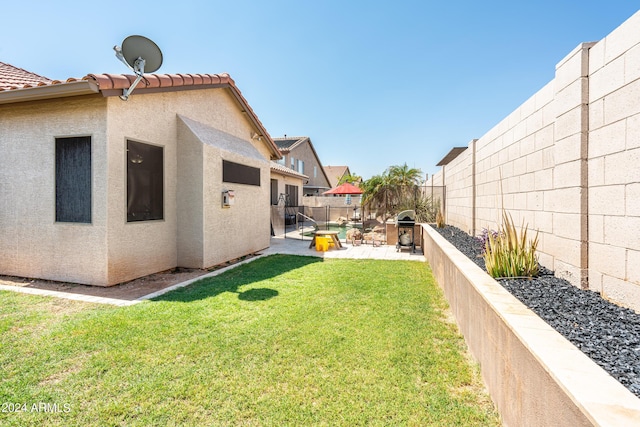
(374, 191)
(404, 178)
(349, 177)
(392, 191)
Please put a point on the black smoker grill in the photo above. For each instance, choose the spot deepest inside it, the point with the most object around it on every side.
(405, 223)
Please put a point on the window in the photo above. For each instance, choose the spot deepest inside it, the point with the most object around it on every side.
(315, 171)
(274, 191)
(73, 179)
(240, 174)
(145, 182)
(292, 194)
(293, 163)
(300, 166)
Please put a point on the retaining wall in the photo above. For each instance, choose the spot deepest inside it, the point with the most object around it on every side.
(567, 163)
(534, 375)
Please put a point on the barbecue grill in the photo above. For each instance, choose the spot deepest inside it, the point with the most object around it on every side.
(405, 223)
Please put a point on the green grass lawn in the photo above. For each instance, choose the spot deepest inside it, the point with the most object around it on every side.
(283, 340)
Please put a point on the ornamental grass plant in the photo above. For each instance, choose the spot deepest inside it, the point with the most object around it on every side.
(509, 252)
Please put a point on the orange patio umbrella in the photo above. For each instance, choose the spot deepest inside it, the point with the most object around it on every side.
(346, 188)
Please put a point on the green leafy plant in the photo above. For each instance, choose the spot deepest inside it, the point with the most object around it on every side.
(509, 253)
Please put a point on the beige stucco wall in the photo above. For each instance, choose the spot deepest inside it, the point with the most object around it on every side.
(283, 181)
(567, 163)
(147, 247)
(110, 250)
(305, 153)
(32, 244)
(242, 228)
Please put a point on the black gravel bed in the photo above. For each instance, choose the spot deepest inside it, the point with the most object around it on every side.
(607, 333)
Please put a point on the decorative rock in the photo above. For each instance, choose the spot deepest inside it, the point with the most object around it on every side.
(354, 234)
(607, 333)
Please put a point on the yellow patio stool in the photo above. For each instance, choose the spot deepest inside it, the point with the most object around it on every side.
(322, 244)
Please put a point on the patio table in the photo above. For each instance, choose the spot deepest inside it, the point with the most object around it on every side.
(331, 234)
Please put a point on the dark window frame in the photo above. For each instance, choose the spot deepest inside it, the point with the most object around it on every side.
(238, 173)
(73, 179)
(144, 181)
(292, 192)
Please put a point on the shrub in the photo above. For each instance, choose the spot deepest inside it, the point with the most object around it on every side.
(440, 220)
(508, 253)
(483, 238)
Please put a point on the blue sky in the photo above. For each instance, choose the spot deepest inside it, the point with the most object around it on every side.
(373, 83)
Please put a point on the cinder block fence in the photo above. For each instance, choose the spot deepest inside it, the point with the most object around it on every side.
(567, 163)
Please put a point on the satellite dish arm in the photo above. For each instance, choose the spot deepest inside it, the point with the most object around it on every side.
(138, 69)
(136, 53)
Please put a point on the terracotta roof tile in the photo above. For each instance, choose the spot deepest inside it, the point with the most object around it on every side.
(288, 143)
(13, 78)
(16, 78)
(275, 166)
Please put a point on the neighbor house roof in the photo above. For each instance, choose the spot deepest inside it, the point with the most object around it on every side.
(21, 86)
(287, 144)
(335, 173)
(282, 169)
(13, 77)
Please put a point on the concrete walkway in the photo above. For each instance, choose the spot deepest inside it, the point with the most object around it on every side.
(278, 246)
(301, 247)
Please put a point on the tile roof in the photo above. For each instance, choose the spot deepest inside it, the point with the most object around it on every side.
(275, 166)
(13, 78)
(18, 85)
(287, 144)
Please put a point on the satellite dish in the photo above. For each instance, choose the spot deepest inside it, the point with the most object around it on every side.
(141, 55)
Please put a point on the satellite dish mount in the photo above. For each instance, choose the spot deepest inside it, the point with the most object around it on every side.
(140, 55)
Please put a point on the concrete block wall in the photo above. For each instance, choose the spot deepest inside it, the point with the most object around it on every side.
(567, 163)
(614, 164)
(459, 202)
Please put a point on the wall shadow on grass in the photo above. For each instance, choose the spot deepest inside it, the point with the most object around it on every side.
(236, 278)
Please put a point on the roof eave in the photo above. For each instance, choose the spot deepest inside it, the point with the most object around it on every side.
(273, 148)
(60, 90)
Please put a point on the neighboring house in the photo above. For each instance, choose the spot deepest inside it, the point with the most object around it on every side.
(300, 156)
(335, 173)
(286, 185)
(286, 196)
(99, 191)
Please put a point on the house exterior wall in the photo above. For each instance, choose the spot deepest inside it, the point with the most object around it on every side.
(567, 163)
(190, 199)
(194, 231)
(242, 228)
(141, 248)
(283, 181)
(32, 243)
(305, 153)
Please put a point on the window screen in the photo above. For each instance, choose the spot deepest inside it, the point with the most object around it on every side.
(145, 182)
(73, 179)
(292, 194)
(240, 174)
(274, 191)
